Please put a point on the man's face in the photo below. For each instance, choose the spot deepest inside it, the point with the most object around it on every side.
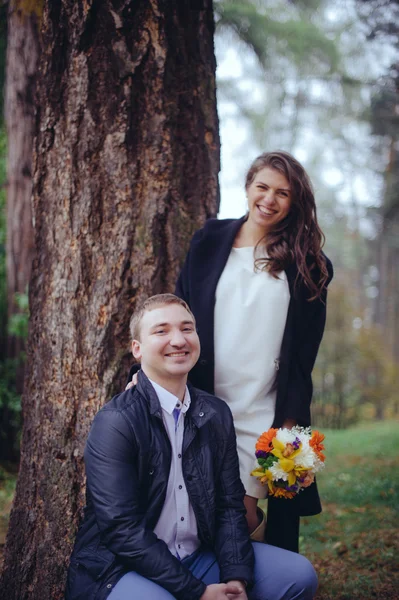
(169, 345)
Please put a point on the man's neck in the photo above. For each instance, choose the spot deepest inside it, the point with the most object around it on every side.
(176, 386)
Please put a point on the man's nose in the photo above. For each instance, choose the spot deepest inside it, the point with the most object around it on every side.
(177, 338)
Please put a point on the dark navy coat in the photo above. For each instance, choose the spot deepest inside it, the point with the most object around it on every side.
(204, 264)
(127, 459)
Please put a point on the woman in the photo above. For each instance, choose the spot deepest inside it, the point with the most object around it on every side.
(257, 287)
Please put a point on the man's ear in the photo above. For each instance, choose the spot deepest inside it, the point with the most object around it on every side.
(136, 349)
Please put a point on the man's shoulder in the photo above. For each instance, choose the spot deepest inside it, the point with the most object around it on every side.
(124, 404)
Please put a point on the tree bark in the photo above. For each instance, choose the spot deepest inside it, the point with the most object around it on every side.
(21, 69)
(126, 158)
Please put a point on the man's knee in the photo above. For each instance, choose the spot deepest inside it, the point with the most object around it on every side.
(304, 581)
(282, 575)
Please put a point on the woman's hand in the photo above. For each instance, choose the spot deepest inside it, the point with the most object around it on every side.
(132, 383)
(289, 423)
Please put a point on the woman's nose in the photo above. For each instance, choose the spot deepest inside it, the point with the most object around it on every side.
(269, 197)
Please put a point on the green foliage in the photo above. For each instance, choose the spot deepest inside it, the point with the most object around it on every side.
(10, 399)
(18, 324)
(268, 34)
(3, 288)
(356, 536)
(7, 489)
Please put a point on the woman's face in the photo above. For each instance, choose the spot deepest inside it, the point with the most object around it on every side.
(269, 199)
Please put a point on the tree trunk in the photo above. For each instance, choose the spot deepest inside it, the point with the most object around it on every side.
(22, 59)
(126, 158)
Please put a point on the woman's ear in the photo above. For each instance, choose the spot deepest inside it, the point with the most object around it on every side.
(136, 349)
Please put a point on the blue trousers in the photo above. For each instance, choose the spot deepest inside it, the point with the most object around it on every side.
(279, 575)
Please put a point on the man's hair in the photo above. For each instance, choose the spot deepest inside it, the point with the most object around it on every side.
(150, 304)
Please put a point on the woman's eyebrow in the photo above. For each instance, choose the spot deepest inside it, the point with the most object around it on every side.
(280, 189)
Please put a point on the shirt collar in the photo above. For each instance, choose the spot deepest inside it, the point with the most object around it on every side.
(169, 401)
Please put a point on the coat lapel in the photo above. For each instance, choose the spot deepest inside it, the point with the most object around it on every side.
(210, 264)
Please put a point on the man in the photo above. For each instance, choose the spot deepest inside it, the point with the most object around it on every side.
(165, 516)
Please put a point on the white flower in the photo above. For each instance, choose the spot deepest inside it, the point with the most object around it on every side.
(306, 456)
(286, 436)
(278, 472)
(318, 464)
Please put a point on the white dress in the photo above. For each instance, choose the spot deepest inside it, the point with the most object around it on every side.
(250, 315)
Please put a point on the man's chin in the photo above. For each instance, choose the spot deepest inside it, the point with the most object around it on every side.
(180, 368)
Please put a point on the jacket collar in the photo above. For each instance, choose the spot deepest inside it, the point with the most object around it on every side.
(200, 411)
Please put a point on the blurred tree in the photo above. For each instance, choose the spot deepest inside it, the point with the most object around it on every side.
(317, 106)
(3, 46)
(126, 158)
(21, 69)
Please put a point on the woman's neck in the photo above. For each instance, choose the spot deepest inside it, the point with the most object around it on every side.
(248, 235)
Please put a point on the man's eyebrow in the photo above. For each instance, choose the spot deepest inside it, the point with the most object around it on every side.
(187, 322)
(159, 325)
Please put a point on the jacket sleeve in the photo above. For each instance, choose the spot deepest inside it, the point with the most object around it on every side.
(305, 349)
(112, 482)
(233, 547)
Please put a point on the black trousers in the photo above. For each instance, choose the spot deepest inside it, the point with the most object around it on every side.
(282, 525)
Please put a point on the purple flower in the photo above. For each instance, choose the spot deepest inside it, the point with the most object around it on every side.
(296, 443)
(292, 488)
(261, 454)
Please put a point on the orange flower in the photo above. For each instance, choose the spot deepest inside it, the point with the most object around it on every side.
(316, 443)
(282, 493)
(265, 440)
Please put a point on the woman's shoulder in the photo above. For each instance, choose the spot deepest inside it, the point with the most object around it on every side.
(330, 268)
(316, 269)
(215, 228)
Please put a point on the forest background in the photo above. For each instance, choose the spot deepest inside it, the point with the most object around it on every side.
(319, 79)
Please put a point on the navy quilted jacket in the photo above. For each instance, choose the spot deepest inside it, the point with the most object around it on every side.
(127, 460)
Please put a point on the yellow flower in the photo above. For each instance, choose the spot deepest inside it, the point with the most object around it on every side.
(287, 464)
(264, 477)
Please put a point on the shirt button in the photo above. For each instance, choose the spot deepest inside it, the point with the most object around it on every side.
(182, 519)
(180, 487)
(178, 545)
(109, 586)
(179, 456)
(201, 414)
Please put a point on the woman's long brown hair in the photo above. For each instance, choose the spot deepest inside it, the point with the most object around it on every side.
(298, 237)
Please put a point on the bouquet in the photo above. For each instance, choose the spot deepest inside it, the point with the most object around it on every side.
(288, 459)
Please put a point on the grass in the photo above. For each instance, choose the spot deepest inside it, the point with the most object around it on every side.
(354, 543)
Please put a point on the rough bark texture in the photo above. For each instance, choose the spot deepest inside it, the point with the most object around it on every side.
(125, 169)
(22, 58)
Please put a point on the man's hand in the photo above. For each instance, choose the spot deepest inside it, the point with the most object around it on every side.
(242, 595)
(132, 383)
(234, 590)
